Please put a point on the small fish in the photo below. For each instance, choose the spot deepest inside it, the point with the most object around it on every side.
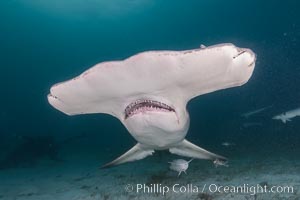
(227, 144)
(202, 46)
(180, 165)
(218, 162)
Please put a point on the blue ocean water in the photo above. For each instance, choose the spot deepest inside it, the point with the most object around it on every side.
(45, 42)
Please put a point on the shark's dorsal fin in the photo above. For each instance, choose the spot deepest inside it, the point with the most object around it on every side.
(137, 152)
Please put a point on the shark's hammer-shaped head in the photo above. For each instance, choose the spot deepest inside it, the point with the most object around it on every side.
(148, 92)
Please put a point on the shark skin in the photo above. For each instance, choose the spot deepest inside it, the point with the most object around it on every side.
(287, 116)
(149, 91)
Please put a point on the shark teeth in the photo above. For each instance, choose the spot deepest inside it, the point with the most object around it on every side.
(142, 105)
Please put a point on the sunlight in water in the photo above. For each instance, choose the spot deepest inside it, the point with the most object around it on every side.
(87, 8)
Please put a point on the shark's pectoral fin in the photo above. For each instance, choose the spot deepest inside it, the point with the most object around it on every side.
(137, 152)
(188, 149)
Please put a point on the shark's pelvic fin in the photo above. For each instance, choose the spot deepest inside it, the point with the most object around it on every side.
(188, 149)
(135, 153)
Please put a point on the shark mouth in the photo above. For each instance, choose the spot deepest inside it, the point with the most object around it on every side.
(146, 105)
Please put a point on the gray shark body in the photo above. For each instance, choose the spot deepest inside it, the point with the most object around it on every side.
(287, 116)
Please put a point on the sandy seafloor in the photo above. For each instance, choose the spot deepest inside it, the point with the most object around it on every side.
(78, 177)
(46, 42)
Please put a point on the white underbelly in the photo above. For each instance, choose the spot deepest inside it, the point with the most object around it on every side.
(158, 130)
(160, 140)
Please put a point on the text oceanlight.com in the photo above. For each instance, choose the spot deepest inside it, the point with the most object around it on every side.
(211, 188)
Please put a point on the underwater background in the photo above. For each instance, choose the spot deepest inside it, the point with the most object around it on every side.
(45, 42)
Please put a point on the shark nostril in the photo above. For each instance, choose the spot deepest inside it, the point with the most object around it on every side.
(245, 55)
(251, 64)
(240, 53)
